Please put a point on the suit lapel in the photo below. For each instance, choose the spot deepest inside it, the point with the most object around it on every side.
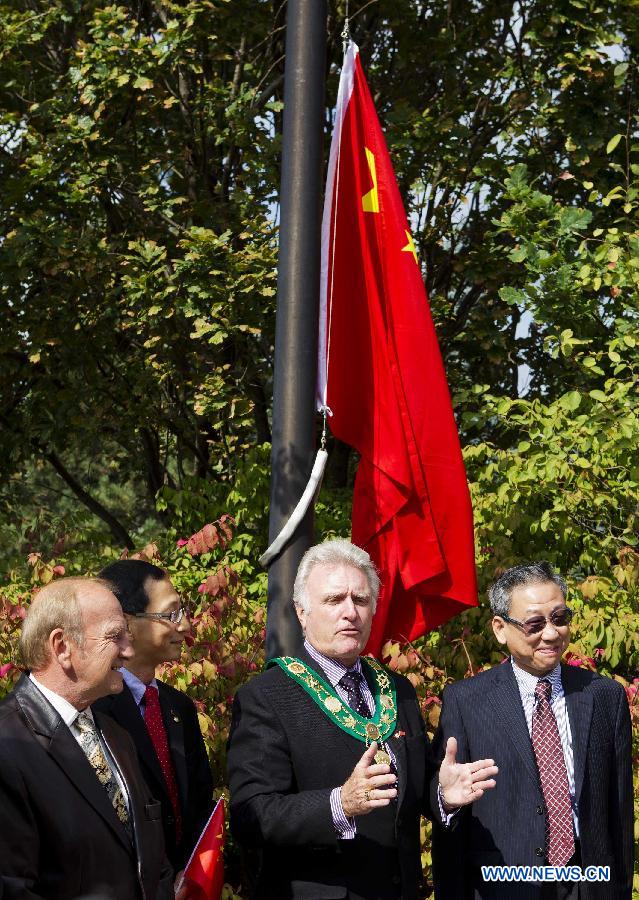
(56, 738)
(126, 713)
(505, 700)
(175, 736)
(579, 706)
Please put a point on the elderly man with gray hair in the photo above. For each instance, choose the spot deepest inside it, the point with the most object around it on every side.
(563, 811)
(76, 818)
(329, 764)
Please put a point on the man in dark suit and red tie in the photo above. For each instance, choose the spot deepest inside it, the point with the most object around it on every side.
(161, 720)
(76, 818)
(561, 737)
(329, 763)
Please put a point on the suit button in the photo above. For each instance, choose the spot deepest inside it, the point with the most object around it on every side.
(540, 810)
(397, 879)
(539, 851)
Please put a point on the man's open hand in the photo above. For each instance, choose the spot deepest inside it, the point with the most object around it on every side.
(369, 786)
(462, 783)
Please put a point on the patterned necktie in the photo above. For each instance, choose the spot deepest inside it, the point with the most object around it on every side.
(90, 743)
(351, 681)
(560, 842)
(157, 733)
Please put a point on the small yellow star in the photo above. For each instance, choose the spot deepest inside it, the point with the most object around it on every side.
(410, 246)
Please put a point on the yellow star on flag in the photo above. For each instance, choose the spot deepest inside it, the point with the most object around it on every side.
(410, 246)
(370, 201)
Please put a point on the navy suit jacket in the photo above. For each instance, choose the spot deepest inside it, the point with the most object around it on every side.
(192, 769)
(507, 825)
(59, 834)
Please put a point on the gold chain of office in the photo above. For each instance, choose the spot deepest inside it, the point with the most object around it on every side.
(378, 728)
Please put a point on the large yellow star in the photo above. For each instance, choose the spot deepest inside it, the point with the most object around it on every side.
(410, 246)
(370, 201)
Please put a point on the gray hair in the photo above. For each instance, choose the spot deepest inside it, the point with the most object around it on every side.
(56, 605)
(335, 552)
(500, 593)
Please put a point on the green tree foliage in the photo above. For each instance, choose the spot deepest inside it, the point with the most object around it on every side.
(139, 155)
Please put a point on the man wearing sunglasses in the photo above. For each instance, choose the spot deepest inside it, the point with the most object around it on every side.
(562, 740)
(162, 721)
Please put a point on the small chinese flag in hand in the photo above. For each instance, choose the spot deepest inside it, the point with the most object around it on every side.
(204, 872)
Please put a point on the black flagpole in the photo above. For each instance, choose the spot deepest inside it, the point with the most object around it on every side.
(293, 446)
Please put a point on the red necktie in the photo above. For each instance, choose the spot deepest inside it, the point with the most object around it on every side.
(560, 842)
(157, 733)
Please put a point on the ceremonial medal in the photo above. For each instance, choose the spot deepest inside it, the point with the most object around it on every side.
(372, 731)
(297, 668)
(378, 727)
(382, 758)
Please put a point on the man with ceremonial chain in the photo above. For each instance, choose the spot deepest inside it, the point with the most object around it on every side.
(76, 818)
(330, 767)
(561, 736)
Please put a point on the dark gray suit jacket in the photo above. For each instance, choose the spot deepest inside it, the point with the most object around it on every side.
(59, 835)
(192, 770)
(285, 756)
(507, 825)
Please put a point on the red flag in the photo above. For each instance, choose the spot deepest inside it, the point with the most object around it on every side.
(382, 378)
(204, 871)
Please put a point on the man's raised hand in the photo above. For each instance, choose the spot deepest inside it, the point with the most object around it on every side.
(462, 783)
(369, 786)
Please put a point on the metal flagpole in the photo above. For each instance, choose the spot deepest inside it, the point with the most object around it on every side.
(293, 428)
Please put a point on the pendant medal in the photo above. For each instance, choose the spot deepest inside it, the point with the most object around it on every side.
(382, 758)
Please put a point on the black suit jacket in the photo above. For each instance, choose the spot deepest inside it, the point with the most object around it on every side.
(59, 835)
(285, 756)
(507, 825)
(192, 770)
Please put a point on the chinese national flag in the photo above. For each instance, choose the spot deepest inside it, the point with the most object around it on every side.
(204, 872)
(381, 376)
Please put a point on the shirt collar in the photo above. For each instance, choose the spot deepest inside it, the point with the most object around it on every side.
(527, 682)
(136, 686)
(333, 668)
(67, 712)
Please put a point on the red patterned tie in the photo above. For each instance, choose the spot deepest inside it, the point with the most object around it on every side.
(560, 842)
(157, 733)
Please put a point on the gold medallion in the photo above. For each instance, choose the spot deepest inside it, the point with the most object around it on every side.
(296, 668)
(372, 731)
(332, 704)
(382, 758)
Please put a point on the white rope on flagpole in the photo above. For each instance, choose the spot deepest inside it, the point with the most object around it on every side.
(311, 489)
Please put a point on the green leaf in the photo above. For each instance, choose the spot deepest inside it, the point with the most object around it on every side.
(612, 143)
(571, 400)
(142, 83)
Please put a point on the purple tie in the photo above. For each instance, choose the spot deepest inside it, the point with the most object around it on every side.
(352, 683)
(560, 842)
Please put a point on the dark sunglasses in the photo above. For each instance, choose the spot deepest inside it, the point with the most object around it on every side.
(559, 618)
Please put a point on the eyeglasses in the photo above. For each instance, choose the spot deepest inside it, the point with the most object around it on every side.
(558, 618)
(174, 617)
